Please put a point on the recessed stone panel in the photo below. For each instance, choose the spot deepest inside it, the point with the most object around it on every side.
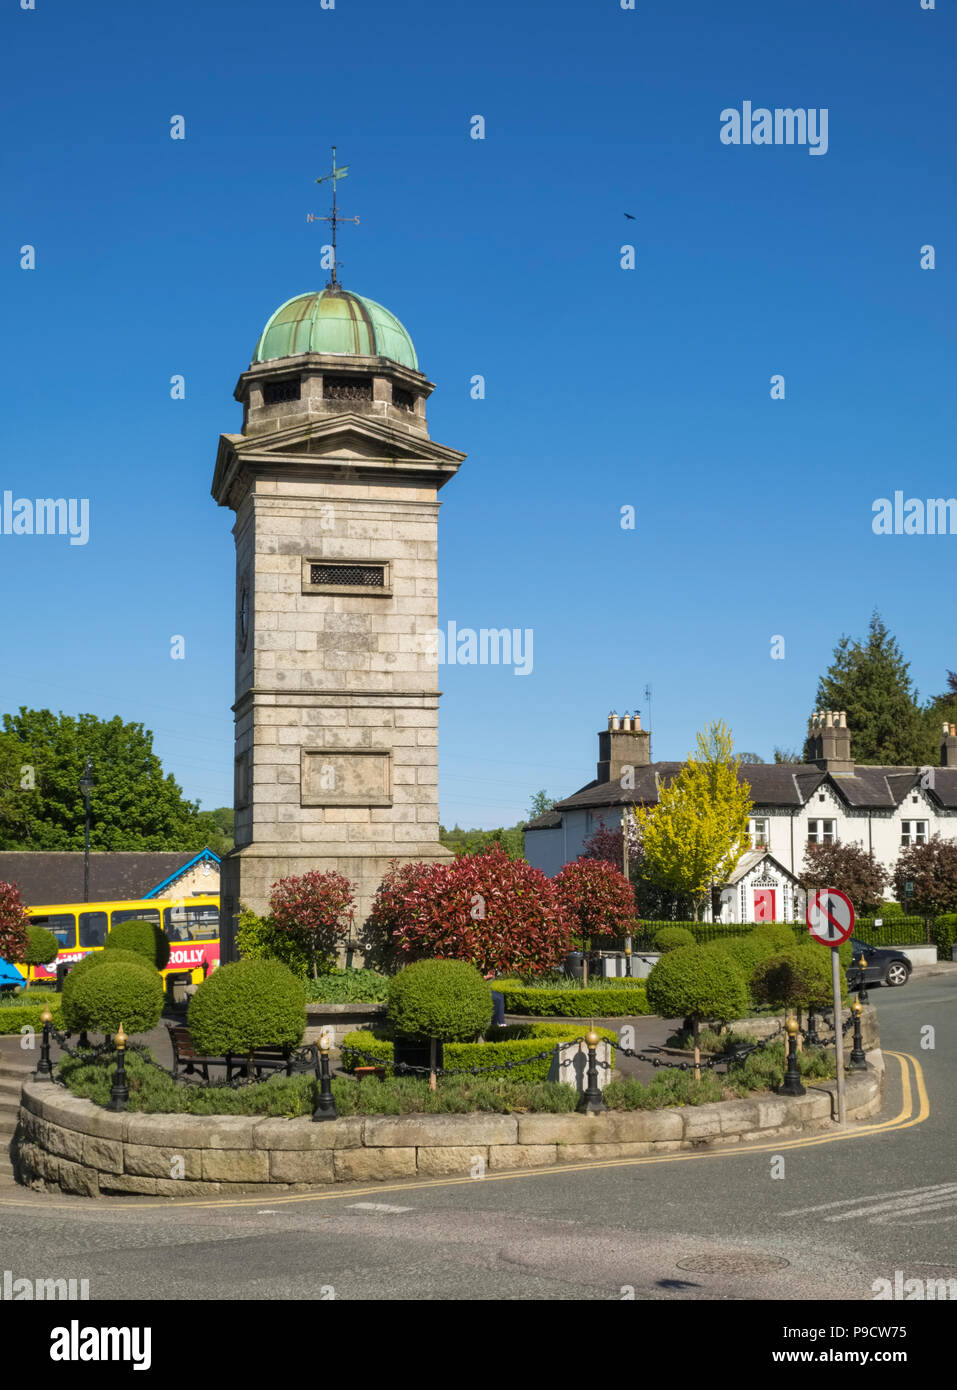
(346, 777)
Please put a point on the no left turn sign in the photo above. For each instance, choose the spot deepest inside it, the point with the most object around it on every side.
(830, 916)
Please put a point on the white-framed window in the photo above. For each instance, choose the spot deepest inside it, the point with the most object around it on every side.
(759, 830)
(913, 832)
(821, 832)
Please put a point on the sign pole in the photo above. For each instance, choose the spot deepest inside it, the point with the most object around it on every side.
(830, 919)
(838, 1037)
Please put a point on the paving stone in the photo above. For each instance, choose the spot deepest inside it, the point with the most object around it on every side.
(522, 1155)
(439, 1131)
(361, 1165)
(235, 1165)
(302, 1165)
(302, 1134)
(153, 1162)
(452, 1162)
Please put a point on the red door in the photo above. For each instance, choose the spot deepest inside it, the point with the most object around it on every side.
(764, 905)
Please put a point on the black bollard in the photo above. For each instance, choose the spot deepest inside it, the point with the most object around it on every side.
(120, 1093)
(858, 1059)
(591, 1102)
(792, 1077)
(44, 1071)
(326, 1104)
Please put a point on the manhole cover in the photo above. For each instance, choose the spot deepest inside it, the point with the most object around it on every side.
(733, 1264)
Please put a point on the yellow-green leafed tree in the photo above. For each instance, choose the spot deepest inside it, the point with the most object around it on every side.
(693, 838)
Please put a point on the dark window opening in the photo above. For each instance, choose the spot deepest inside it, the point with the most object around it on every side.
(369, 576)
(404, 400)
(346, 388)
(92, 928)
(277, 392)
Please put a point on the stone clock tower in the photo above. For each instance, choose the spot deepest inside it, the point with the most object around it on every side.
(334, 483)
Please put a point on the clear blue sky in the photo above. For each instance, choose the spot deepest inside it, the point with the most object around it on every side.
(604, 387)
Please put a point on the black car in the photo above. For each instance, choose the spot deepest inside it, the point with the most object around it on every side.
(884, 965)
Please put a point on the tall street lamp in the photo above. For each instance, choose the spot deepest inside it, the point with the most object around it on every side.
(86, 786)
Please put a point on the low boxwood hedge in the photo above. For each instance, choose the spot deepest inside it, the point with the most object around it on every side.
(13, 1017)
(509, 1044)
(575, 1003)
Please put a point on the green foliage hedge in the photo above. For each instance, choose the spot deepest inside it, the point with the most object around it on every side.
(509, 1044)
(245, 1005)
(258, 938)
(696, 983)
(575, 1003)
(669, 938)
(444, 999)
(101, 999)
(797, 978)
(42, 946)
(152, 1091)
(149, 940)
(348, 987)
(13, 1017)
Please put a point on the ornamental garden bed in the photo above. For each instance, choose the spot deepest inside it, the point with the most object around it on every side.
(75, 1146)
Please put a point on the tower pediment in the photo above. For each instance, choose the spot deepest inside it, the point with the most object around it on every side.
(346, 439)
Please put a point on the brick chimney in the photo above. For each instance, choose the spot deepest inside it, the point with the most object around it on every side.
(948, 746)
(830, 740)
(623, 744)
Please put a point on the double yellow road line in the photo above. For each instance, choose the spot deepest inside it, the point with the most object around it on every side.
(915, 1108)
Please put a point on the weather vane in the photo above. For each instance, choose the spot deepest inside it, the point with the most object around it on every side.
(335, 219)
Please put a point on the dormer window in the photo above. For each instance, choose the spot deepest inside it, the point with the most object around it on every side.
(287, 388)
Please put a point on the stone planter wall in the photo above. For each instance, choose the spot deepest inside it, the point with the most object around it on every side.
(340, 1019)
(75, 1146)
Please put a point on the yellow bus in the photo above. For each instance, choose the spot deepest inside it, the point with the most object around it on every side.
(191, 926)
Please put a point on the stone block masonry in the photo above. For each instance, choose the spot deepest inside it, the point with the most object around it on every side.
(75, 1146)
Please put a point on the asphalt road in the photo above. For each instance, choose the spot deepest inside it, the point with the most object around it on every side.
(847, 1211)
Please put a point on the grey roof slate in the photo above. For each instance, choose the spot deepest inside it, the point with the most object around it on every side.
(772, 784)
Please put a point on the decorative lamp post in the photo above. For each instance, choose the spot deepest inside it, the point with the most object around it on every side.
(44, 1071)
(858, 1059)
(86, 787)
(792, 1077)
(861, 984)
(326, 1105)
(591, 1102)
(120, 1093)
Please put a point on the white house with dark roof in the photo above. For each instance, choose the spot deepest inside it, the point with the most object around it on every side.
(883, 809)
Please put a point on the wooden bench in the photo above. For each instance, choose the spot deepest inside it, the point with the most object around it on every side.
(263, 1059)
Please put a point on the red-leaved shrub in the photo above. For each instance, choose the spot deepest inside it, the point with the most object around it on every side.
(498, 913)
(314, 909)
(595, 898)
(13, 923)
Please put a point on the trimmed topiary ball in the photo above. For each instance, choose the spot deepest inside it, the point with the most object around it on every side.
(96, 960)
(699, 983)
(245, 1005)
(747, 952)
(42, 947)
(146, 938)
(100, 1000)
(796, 979)
(443, 999)
(670, 938)
(779, 934)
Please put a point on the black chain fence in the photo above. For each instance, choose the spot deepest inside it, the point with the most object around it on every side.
(307, 1058)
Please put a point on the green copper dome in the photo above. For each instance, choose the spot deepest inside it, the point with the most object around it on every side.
(335, 321)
